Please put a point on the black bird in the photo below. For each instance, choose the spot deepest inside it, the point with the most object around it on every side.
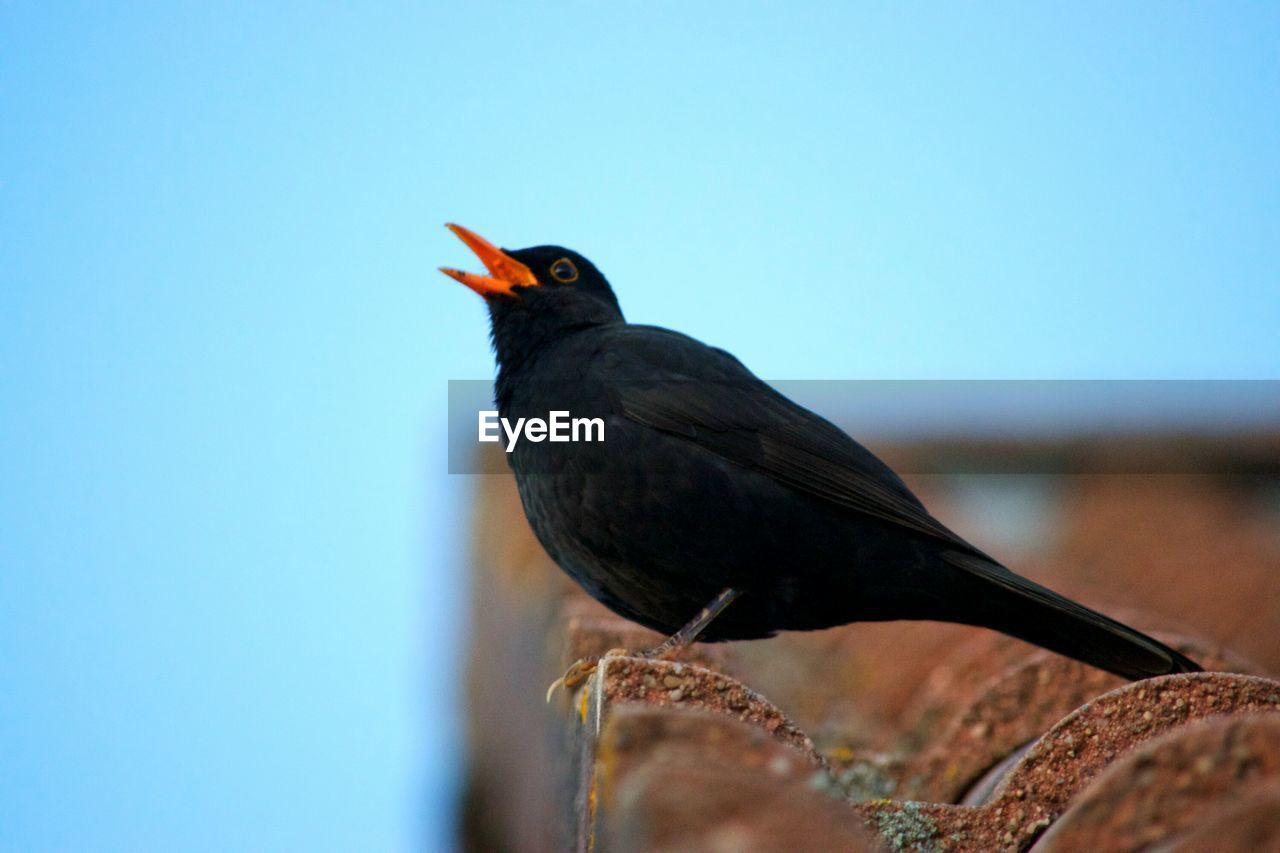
(712, 489)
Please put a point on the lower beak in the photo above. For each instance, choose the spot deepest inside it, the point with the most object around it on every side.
(505, 272)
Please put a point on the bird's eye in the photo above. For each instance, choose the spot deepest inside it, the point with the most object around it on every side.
(564, 270)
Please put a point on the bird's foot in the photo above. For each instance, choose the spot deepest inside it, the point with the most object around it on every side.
(581, 670)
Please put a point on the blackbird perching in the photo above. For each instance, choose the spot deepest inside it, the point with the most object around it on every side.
(717, 509)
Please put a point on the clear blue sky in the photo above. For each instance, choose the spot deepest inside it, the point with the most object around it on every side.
(230, 596)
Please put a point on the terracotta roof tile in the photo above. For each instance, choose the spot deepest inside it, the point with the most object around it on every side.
(1172, 784)
(987, 721)
(1250, 823)
(682, 779)
(1064, 761)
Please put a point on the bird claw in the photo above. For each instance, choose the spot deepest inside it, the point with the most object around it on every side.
(580, 671)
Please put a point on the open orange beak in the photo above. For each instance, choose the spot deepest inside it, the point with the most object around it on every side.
(505, 272)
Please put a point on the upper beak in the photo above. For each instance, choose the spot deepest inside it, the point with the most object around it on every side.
(505, 272)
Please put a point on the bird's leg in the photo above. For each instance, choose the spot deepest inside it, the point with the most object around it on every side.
(680, 640)
(666, 650)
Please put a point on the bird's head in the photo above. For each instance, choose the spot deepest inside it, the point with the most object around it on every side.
(535, 294)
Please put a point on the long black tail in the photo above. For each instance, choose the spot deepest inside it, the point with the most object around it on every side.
(1016, 606)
